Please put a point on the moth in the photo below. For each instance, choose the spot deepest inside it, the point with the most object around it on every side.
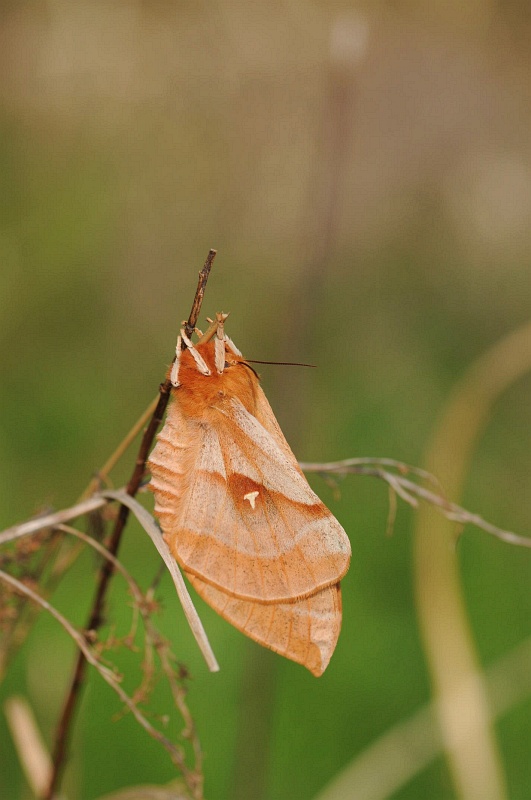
(237, 512)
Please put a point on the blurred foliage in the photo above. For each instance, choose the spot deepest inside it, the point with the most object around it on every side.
(365, 174)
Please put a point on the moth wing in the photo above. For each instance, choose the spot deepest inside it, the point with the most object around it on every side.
(266, 417)
(238, 512)
(171, 464)
(305, 631)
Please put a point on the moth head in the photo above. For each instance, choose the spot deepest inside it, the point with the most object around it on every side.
(213, 368)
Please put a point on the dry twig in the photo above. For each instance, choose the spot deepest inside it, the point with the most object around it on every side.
(412, 492)
(153, 531)
(109, 675)
(154, 643)
(95, 616)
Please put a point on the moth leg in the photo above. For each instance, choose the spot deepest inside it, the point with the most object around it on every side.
(219, 343)
(230, 344)
(198, 358)
(219, 355)
(213, 327)
(174, 374)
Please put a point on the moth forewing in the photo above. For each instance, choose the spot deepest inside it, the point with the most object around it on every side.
(287, 546)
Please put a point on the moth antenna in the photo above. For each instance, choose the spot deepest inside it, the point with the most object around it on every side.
(232, 346)
(174, 374)
(282, 363)
(198, 358)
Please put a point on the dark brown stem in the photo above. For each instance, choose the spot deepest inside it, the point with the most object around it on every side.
(199, 294)
(64, 725)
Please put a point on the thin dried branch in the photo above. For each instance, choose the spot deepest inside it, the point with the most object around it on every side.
(37, 524)
(154, 642)
(153, 531)
(411, 492)
(108, 675)
(117, 564)
(143, 605)
(146, 520)
(95, 616)
(200, 293)
(45, 557)
(356, 465)
(32, 559)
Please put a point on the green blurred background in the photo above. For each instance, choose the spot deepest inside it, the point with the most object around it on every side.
(364, 171)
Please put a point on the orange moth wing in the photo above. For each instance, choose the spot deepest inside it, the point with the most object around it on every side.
(305, 631)
(246, 520)
(239, 515)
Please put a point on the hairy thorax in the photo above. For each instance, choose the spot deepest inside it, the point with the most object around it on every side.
(198, 393)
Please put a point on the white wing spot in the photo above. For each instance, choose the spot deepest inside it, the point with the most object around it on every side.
(251, 497)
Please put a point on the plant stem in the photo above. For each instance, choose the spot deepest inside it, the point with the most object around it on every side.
(66, 719)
